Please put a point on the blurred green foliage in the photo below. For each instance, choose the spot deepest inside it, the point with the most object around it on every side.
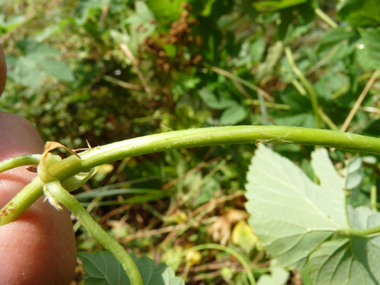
(189, 64)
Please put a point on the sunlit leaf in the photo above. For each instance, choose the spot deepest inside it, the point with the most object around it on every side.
(352, 260)
(291, 215)
(243, 236)
(279, 276)
(295, 220)
(354, 172)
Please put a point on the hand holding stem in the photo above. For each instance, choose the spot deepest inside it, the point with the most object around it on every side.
(39, 247)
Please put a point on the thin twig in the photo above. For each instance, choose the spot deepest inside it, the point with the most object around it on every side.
(217, 201)
(306, 84)
(114, 212)
(175, 181)
(325, 18)
(120, 83)
(327, 120)
(256, 102)
(218, 265)
(242, 81)
(129, 54)
(105, 10)
(370, 110)
(359, 101)
(321, 62)
(205, 209)
(154, 232)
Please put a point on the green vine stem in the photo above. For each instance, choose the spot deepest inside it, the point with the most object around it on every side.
(29, 159)
(230, 251)
(96, 231)
(70, 166)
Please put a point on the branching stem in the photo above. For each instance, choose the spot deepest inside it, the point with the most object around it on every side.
(96, 231)
(70, 166)
(29, 159)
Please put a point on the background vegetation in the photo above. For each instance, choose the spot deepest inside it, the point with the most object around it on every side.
(107, 70)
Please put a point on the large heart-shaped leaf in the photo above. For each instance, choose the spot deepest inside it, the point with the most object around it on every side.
(290, 214)
(300, 222)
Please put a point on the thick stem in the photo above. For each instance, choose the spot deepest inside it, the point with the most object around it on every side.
(70, 166)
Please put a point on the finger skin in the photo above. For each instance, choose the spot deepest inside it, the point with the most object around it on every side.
(39, 247)
(3, 70)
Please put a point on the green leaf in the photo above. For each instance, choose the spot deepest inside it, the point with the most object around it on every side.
(57, 69)
(36, 50)
(306, 120)
(343, 51)
(295, 20)
(354, 172)
(173, 257)
(274, 55)
(243, 236)
(335, 36)
(12, 23)
(166, 10)
(360, 13)
(294, 219)
(329, 83)
(291, 215)
(207, 192)
(350, 260)
(233, 115)
(208, 8)
(141, 25)
(76, 181)
(103, 268)
(85, 7)
(24, 71)
(279, 275)
(212, 101)
(371, 48)
(25, 68)
(171, 50)
(276, 5)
